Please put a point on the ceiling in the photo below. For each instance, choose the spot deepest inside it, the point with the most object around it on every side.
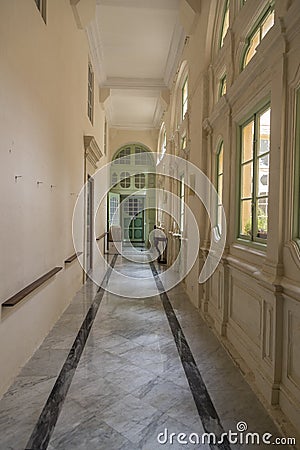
(135, 47)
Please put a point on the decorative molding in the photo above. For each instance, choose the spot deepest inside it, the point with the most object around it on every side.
(92, 150)
(220, 110)
(155, 84)
(189, 15)
(158, 113)
(157, 4)
(165, 98)
(108, 107)
(174, 55)
(176, 140)
(133, 126)
(268, 332)
(294, 252)
(96, 50)
(104, 94)
(206, 125)
(84, 11)
(292, 19)
(293, 372)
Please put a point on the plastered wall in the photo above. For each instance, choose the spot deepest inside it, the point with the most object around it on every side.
(43, 95)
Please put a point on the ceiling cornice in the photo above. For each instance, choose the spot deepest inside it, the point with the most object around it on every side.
(84, 11)
(134, 83)
(134, 126)
(157, 4)
(175, 52)
(145, 93)
(108, 107)
(96, 50)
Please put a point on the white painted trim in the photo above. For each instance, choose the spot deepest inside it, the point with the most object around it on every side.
(175, 53)
(96, 50)
(134, 83)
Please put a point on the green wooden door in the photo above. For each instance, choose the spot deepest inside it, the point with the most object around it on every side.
(136, 228)
(132, 208)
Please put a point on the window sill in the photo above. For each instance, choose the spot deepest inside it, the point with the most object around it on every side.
(251, 246)
(252, 252)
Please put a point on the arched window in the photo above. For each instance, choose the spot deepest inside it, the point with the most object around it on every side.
(259, 32)
(125, 179)
(225, 23)
(220, 177)
(151, 180)
(184, 98)
(140, 180)
(141, 157)
(114, 179)
(123, 157)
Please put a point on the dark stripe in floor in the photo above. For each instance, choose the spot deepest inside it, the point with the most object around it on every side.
(43, 430)
(207, 412)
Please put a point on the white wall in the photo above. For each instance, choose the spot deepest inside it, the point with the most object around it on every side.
(43, 98)
(119, 137)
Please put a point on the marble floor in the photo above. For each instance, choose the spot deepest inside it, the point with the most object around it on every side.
(126, 372)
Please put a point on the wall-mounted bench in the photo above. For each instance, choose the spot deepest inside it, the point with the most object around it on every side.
(12, 301)
(72, 258)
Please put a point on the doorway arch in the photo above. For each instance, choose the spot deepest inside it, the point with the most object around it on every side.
(132, 198)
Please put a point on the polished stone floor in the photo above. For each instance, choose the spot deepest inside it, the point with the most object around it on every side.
(132, 377)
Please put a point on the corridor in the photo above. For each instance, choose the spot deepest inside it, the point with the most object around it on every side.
(116, 372)
(129, 127)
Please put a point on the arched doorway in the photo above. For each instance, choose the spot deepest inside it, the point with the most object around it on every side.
(132, 198)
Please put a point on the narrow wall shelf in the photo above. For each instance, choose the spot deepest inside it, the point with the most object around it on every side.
(72, 258)
(101, 236)
(16, 298)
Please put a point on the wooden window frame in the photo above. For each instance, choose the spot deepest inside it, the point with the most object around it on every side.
(258, 27)
(253, 236)
(125, 180)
